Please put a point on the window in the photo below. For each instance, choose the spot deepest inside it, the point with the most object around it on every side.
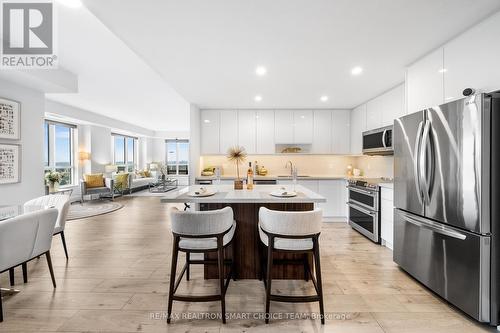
(124, 152)
(177, 157)
(59, 150)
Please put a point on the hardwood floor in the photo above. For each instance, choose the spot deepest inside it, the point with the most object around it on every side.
(116, 280)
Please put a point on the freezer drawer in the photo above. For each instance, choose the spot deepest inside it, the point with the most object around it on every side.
(451, 262)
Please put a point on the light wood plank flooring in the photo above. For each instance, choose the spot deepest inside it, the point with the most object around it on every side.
(117, 276)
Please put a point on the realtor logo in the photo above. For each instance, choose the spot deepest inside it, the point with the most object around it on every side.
(28, 35)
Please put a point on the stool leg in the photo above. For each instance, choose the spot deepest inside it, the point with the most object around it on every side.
(1, 309)
(188, 257)
(11, 276)
(233, 261)
(173, 269)
(269, 276)
(220, 256)
(25, 272)
(317, 261)
(306, 263)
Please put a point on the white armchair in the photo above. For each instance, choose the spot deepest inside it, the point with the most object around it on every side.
(61, 203)
(25, 237)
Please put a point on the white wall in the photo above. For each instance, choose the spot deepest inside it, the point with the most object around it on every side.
(32, 113)
(100, 148)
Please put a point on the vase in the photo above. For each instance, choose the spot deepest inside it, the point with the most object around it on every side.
(238, 184)
(53, 187)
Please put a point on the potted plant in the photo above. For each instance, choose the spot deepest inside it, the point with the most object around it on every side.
(237, 155)
(52, 179)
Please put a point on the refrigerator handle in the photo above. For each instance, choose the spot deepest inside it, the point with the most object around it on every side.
(423, 161)
(434, 227)
(416, 162)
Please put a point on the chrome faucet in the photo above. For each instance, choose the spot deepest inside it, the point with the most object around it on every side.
(291, 167)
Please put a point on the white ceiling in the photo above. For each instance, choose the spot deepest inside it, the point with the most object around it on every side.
(112, 79)
(208, 50)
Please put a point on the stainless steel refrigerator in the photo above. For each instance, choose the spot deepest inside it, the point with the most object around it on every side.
(446, 216)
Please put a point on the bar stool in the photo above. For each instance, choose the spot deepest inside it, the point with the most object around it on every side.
(297, 233)
(201, 232)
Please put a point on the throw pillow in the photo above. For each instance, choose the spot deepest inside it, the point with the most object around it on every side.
(121, 181)
(94, 180)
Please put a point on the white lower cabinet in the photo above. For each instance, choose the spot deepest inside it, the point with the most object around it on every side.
(333, 190)
(387, 217)
(335, 193)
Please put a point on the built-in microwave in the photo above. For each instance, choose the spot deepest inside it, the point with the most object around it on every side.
(378, 141)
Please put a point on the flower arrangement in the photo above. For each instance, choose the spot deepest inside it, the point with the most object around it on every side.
(52, 177)
(237, 155)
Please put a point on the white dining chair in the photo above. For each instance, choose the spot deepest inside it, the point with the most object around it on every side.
(296, 233)
(25, 237)
(61, 203)
(201, 232)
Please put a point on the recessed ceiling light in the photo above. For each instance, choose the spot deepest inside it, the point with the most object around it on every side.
(442, 70)
(357, 70)
(71, 3)
(261, 70)
(258, 98)
(324, 98)
(206, 121)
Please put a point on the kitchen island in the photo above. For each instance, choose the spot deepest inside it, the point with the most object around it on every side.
(246, 205)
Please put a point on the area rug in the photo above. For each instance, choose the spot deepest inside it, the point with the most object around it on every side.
(92, 208)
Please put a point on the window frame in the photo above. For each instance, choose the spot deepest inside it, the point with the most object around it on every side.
(51, 150)
(177, 164)
(126, 165)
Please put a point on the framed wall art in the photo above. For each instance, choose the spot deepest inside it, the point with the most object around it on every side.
(10, 119)
(10, 163)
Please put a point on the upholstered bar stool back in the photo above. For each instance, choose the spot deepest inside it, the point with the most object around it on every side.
(201, 232)
(290, 224)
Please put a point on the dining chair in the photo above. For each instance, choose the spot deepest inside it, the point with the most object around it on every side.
(25, 237)
(201, 232)
(61, 203)
(295, 233)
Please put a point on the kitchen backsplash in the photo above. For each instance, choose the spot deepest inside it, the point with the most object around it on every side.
(376, 166)
(316, 165)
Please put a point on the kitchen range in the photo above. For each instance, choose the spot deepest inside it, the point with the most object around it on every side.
(446, 217)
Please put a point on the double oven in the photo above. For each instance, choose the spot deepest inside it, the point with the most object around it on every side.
(364, 208)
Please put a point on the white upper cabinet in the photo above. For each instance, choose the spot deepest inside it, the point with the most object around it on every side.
(471, 60)
(424, 82)
(247, 131)
(374, 109)
(210, 131)
(340, 136)
(322, 132)
(394, 105)
(228, 130)
(264, 120)
(358, 126)
(303, 126)
(283, 126)
(382, 110)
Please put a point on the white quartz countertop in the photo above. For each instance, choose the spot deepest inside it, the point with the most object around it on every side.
(273, 177)
(227, 194)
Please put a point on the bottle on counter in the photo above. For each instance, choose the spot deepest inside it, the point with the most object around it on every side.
(256, 169)
(250, 176)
